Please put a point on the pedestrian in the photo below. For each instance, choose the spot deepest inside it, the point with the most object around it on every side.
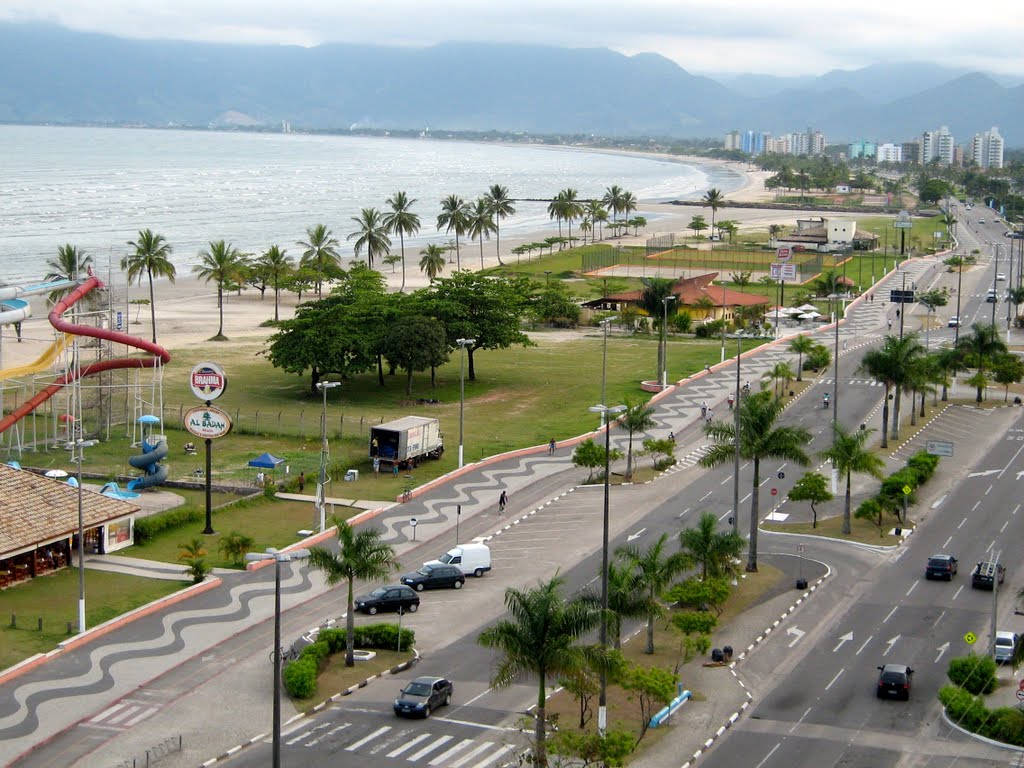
(302, 481)
(731, 401)
(890, 324)
(711, 415)
(376, 465)
(259, 478)
(844, 345)
(707, 367)
(502, 501)
(703, 410)
(394, 469)
(897, 314)
(551, 446)
(672, 437)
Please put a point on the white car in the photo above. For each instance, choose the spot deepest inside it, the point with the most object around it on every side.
(1006, 646)
(954, 322)
(1000, 276)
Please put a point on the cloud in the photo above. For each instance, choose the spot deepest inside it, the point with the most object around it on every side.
(784, 37)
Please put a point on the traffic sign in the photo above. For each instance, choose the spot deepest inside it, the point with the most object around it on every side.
(898, 296)
(907, 490)
(940, 448)
(970, 638)
(782, 271)
(784, 253)
(775, 491)
(799, 547)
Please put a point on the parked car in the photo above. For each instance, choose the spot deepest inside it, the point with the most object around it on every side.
(987, 573)
(423, 695)
(1006, 646)
(474, 558)
(954, 322)
(435, 577)
(389, 598)
(894, 681)
(941, 567)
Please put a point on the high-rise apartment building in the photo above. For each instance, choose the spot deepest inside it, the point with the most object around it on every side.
(889, 153)
(733, 140)
(937, 146)
(986, 149)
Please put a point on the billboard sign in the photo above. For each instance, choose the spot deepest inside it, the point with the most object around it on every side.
(208, 381)
(207, 422)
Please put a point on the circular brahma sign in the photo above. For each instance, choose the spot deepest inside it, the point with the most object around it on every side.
(208, 381)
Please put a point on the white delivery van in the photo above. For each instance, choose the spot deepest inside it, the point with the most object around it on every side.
(469, 558)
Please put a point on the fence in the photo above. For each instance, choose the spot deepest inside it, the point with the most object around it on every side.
(157, 752)
(291, 423)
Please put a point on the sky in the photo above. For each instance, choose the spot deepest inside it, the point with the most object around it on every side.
(770, 37)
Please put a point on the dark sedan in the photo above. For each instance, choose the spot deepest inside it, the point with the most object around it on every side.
(390, 598)
(941, 567)
(423, 695)
(435, 577)
(894, 681)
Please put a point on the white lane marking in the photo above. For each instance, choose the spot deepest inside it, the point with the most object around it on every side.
(840, 672)
(1012, 459)
(891, 643)
(957, 593)
(936, 622)
(843, 639)
(726, 480)
(912, 588)
(890, 614)
(1004, 526)
(976, 504)
(872, 637)
(961, 524)
(495, 755)
(764, 481)
(798, 634)
(450, 752)
(990, 489)
(353, 747)
(947, 542)
(744, 499)
(770, 753)
(705, 495)
(1015, 510)
(989, 547)
(805, 714)
(683, 513)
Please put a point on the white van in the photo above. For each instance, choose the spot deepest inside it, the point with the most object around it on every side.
(470, 558)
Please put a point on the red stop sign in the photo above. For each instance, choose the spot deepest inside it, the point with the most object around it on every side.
(775, 491)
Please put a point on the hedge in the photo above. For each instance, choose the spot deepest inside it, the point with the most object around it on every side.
(975, 674)
(1003, 724)
(300, 676)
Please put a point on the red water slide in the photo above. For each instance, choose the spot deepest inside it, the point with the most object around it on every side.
(160, 355)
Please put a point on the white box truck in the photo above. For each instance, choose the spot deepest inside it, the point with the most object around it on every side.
(406, 441)
(472, 559)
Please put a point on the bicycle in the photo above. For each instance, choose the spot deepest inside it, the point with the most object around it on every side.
(406, 494)
(287, 654)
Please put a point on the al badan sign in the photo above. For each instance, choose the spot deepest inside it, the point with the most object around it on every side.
(208, 382)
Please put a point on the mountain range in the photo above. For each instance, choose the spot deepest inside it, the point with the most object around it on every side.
(55, 75)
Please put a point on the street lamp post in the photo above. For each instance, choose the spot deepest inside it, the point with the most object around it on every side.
(664, 342)
(736, 444)
(959, 291)
(321, 484)
(604, 362)
(77, 457)
(463, 343)
(606, 412)
(278, 558)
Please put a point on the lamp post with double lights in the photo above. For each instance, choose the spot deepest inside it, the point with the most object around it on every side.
(664, 341)
(604, 362)
(321, 483)
(602, 700)
(736, 442)
(77, 456)
(278, 558)
(463, 343)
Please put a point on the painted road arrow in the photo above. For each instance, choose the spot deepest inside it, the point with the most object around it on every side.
(985, 472)
(941, 649)
(843, 639)
(798, 634)
(891, 643)
(636, 535)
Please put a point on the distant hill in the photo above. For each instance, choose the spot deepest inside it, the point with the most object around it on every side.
(53, 75)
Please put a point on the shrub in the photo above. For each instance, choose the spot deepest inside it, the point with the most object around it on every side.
(368, 636)
(818, 358)
(924, 464)
(1005, 724)
(299, 677)
(962, 708)
(682, 322)
(975, 674)
(147, 528)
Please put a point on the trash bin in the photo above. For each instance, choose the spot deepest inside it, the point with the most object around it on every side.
(801, 583)
(727, 652)
(717, 655)
(351, 475)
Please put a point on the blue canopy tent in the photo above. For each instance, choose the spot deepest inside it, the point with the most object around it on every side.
(265, 461)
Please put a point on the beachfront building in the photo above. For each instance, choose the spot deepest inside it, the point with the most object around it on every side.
(937, 146)
(889, 153)
(986, 149)
(824, 235)
(733, 140)
(695, 295)
(39, 524)
(862, 149)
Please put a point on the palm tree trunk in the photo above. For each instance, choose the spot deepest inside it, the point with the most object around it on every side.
(649, 649)
(923, 396)
(540, 726)
(220, 309)
(800, 367)
(152, 306)
(895, 435)
(913, 408)
(277, 298)
(350, 627)
(629, 455)
(752, 550)
(401, 237)
(497, 241)
(846, 506)
(885, 418)
(458, 255)
(481, 250)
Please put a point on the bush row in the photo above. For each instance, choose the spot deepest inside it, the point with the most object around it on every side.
(148, 528)
(919, 469)
(300, 676)
(969, 712)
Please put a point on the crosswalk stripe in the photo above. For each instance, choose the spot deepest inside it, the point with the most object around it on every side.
(107, 712)
(495, 755)
(471, 754)
(451, 752)
(140, 717)
(440, 741)
(408, 745)
(371, 737)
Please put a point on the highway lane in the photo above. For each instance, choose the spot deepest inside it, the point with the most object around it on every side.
(823, 709)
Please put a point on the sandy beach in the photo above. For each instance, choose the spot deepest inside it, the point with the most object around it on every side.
(186, 310)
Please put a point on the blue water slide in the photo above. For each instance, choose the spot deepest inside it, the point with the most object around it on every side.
(149, 461)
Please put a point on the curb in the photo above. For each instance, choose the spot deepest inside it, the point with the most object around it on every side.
(314, 710)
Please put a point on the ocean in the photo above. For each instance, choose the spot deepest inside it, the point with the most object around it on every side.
(97, 187)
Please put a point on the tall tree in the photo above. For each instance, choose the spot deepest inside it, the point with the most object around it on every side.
(152, 256)
(638, 417)
(223, 264)
(849, 454)
(371, 235)
(454, 217)
(71, 264)
(879, 364)
(500, 206)
(980, 346)
(598, 216)
(432, 260)
(414, 343)
(320, 252)
(626, 599)
(277, 266)
(713, 199)
(361, 555)
(613, 201)
(656, 569)
(401, 221)
(759, 439)
(570, 207)
(480, 224)
(711, 550)
(540, 640)
(802, 345)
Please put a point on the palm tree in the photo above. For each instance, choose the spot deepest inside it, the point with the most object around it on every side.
(710, 549)
(151, 257)
(714, 199)
(454, 217)
(480, 224)
(628, 203)
(848, 454)
(540, 640)
(802, 345)
(907, 351)
(780, 375)
(981, 344)
(222, 264)
(319, 248)
(500, 206)
(774, 230)
(570, 207)
(432, 261)
(759, 439)
(556, 210)
(612, 200)
(879, 364)
(626, 599)
(598, 215)
(638, 417)
(656, 570)
(360, 556)
(371, 235)
(948, 360)
(403, 221)
(277, 266)
(70, 264)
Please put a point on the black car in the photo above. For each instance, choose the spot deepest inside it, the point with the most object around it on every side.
(390, 598)
(894, 681)
(435, 577)
(423, 695)
(941, 567)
